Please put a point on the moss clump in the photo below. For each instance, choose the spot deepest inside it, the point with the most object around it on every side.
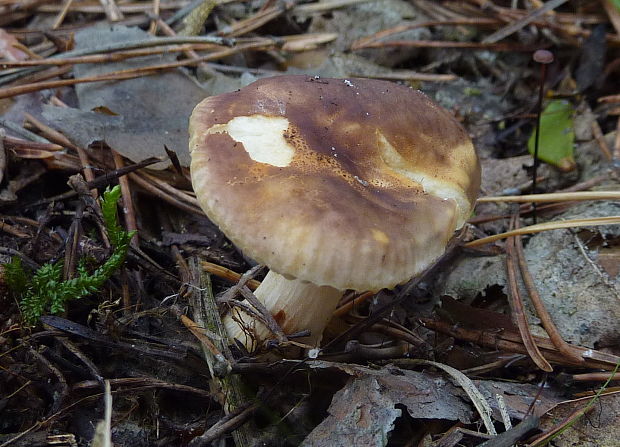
(45, 291)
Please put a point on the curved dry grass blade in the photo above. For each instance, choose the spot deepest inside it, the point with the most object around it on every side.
(474, 394)
(555, 197)
(570, 223)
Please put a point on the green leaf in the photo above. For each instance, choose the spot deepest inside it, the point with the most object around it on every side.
(616, 3)
(557, 135)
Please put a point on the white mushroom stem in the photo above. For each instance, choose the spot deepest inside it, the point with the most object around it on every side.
(295, 305)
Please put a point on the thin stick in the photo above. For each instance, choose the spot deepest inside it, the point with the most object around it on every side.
(600, 139)
(83, 156)
(168, 31)
(128, 208)
(154, 21)
(167, 187)
(62, 14)
(206, 315)
(130, 73)
(112, 57)
(362, 42)
(570, 223)
(543, 57)
(517, 309)
(112, 12)
(510, 341)
(452, 44)
(555, 197)
(227, 274)
(523, 22)
(541, 310)
(346, 308)
(149, 187)
(616, 156)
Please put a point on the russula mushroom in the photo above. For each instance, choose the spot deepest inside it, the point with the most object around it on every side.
(333, 184)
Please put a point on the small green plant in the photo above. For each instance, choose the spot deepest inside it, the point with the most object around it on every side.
(46, 290)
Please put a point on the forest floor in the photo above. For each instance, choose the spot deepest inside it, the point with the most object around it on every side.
(511, 341)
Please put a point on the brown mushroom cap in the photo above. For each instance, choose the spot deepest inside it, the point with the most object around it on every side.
(356, 184)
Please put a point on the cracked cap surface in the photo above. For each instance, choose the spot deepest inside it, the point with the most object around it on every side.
(356, 184)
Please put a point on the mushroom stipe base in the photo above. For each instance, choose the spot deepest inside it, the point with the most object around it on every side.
(295, 305)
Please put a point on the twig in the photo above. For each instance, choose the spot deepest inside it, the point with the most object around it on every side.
(153, 189)
(555, 197)
(16, 144)
(515, 434)
(362, 42)
(259, 307)
(227, 274)
(516, 306)
(128, 208)
(230, 422)
(453, 44)
(7, 228)
(62, 14)
(112, 12)
(127, 8)
(541, 310)
(129, 73)
(523, 22)
(206, 314)
(38, 224)
(600, 139)
(326, 5)
(257, 20)
(99, 182)
(130, 45)
(168, 188)
(59, 138)
(616, 156)
(573, 417)
(510, 341)
(595, 377)
(189, 52)
(25, 133)
(271, 323)
(346, 308)
(410, 75)
(112, 57)
(570, 223)
(609, 98)
(220, 365)
(155, 19)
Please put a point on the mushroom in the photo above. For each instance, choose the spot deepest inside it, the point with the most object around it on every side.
(333, 184)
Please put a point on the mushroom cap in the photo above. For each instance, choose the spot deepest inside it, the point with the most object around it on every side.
(355, 184)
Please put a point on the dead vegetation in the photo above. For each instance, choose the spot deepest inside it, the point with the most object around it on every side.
(508, 340)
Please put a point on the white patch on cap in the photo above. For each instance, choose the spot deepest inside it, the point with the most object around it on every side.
(262, 138)
(431, 185)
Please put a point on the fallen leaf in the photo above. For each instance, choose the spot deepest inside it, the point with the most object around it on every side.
(136, 117)
(360, 414)
(364, 411)
(557, 135)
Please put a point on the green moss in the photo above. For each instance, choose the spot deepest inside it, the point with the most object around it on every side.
(46, 291)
